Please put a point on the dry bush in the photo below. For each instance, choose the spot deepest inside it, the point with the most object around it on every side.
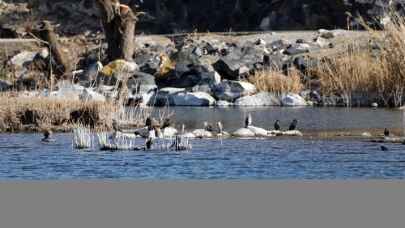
(40, 113)
(276, 82)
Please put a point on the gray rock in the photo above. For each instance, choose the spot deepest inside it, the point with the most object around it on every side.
(141, 83)
(232, 90)
(162, 96)
(297, 49)
(322, 42)
(191, 99)
(326, 34)
(292, 99)
(260, 99)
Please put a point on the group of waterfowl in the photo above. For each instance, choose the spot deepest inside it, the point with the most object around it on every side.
(153, 130)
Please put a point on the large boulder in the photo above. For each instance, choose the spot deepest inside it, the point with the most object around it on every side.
(232, 90)
(260, 99)
(141, 83)
(162, 96)
(241, 61)
(191, 99)
(244, 133)
(292, 99)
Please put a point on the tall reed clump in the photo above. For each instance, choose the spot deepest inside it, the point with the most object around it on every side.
(274, 81)
(377, 70)
(348, 74)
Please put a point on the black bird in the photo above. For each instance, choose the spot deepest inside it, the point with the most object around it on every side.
(386, 132)
(248, 121)
(384, 148)
(47, 136)
(277, 125)
(293, 125)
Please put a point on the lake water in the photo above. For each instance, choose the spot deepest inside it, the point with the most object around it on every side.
(23, 157)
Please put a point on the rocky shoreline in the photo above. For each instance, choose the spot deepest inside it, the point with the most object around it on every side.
(199, 69)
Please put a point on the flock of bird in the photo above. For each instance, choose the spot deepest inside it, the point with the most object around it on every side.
(153, 130)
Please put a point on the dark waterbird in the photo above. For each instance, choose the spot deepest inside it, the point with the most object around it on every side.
(248, 121)
(277, 125)
(47, 136)
(293, 125)
(384, 148)
(386, 132)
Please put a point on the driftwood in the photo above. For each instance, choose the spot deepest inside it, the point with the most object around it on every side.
(119, 27)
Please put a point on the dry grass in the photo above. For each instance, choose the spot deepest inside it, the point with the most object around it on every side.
(378, 70)
(351, 73)
(276, 82)
(36, 113)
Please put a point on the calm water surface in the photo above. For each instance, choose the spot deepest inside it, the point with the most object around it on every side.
(22, 156)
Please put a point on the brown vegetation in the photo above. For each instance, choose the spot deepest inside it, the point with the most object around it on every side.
(276, 82)
(378, 70)
(36, 113)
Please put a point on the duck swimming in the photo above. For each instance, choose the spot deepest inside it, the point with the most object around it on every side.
(47, 137)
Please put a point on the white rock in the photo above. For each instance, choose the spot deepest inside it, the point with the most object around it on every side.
(293, 133)
(222, 103)
(169, 132)
(259, 132)
(260, 99)
(23, 57)
(322, 42)
(244, 132)
(292, 99)
(189, 135)
(201, 133)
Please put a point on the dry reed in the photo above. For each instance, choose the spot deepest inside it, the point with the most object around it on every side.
(18, 113)
(275, 81)
(377, 70)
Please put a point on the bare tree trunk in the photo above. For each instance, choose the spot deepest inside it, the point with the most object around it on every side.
(47, 33)
(119, 25)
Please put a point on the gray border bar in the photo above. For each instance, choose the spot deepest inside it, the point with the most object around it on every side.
(203, 204)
